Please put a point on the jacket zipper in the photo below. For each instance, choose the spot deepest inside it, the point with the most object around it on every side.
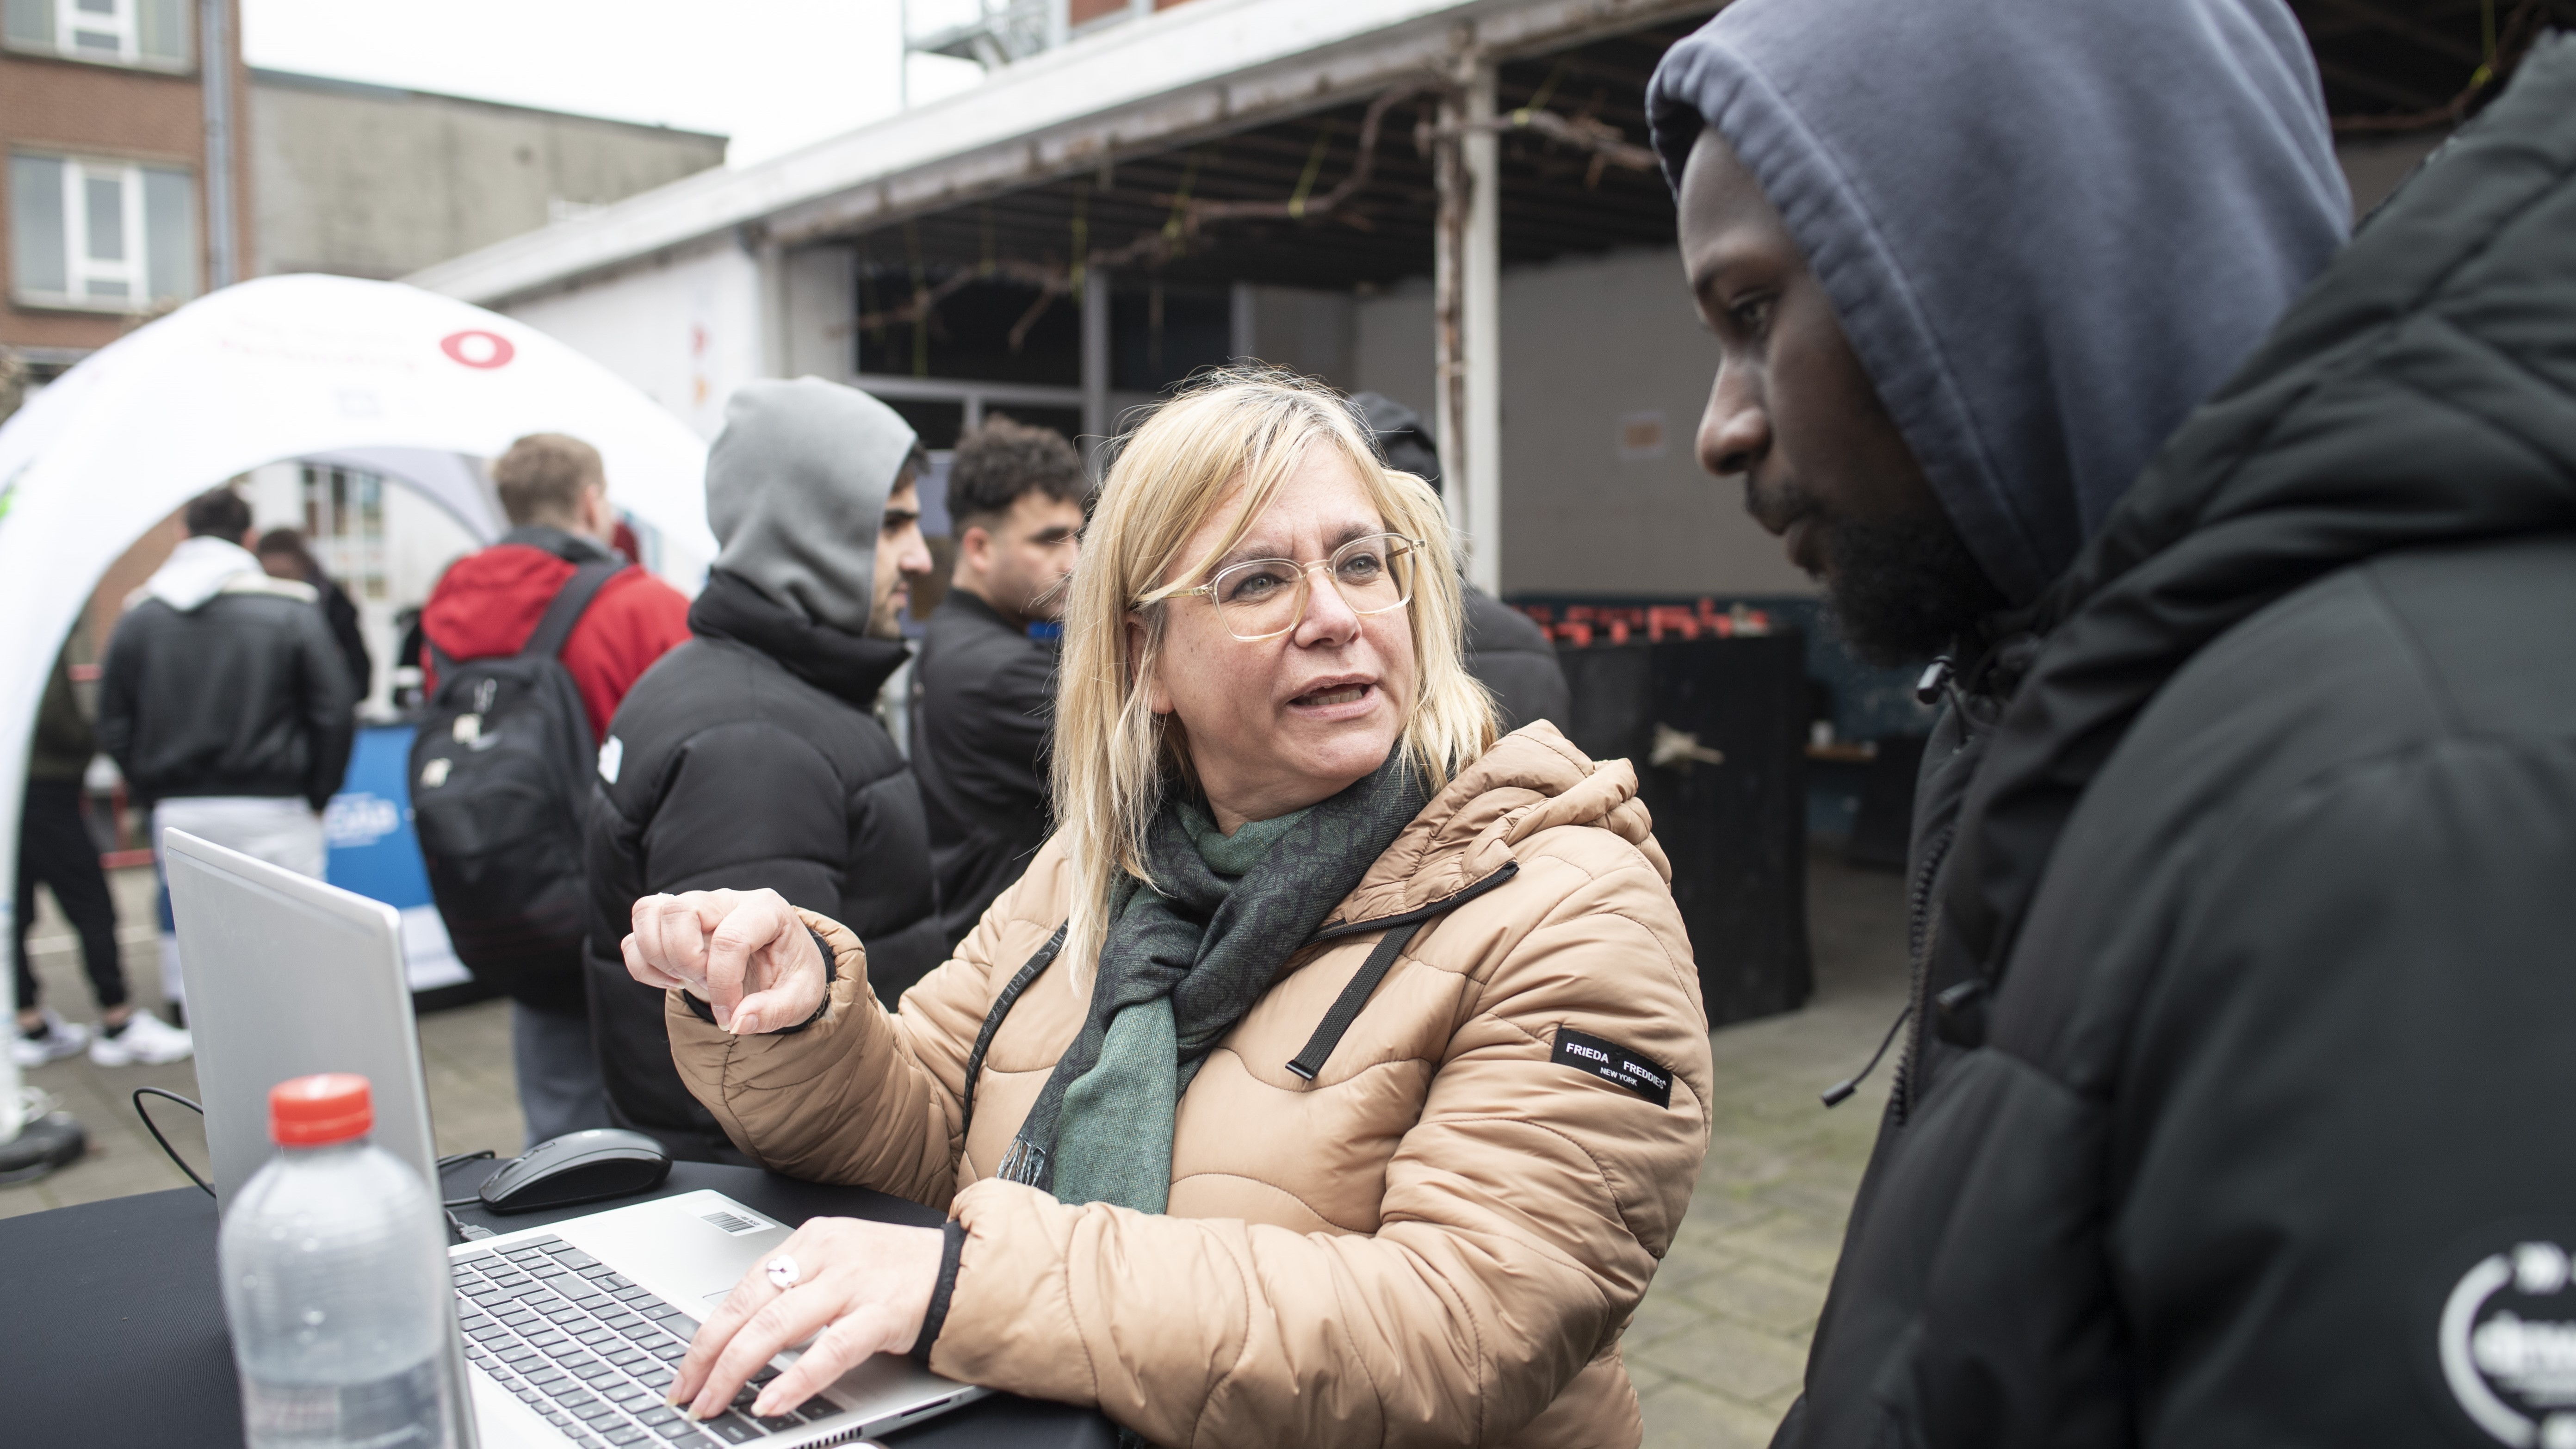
(1922, 915)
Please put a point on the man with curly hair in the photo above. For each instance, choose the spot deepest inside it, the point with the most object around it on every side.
(984, 700)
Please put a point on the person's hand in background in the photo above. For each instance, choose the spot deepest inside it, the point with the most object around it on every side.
(747, 954)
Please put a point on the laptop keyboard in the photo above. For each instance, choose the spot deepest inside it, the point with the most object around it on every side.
(589, 1350)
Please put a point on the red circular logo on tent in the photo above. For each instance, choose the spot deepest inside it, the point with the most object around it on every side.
(478, 348)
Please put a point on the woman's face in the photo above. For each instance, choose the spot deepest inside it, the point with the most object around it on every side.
(1277, 724)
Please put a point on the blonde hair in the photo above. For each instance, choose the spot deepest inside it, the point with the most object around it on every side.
(1114, 757)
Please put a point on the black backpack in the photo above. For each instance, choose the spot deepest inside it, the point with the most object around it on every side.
(500, 789)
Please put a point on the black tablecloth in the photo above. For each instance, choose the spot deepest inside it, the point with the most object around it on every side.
(112, 1329)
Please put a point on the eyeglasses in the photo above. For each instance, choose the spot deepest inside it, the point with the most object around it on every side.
(1264, 598)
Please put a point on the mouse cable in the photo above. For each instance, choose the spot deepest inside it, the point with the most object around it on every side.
(155, 1129)
(459, 1159)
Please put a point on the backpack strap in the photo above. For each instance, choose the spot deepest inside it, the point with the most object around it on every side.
(566, 610)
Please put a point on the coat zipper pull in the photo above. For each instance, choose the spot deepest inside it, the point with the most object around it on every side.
(1835, 1095)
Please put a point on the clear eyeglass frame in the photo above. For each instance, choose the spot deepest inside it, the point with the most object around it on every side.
(1396, 551)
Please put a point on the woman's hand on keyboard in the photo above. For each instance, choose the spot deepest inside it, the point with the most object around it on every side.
(746, 954)
(862, 1288)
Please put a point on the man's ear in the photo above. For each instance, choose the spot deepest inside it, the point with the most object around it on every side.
(601, 518)
(1149, 676)
(975, 545)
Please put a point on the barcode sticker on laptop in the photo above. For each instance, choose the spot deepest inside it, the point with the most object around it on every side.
(734, 1223)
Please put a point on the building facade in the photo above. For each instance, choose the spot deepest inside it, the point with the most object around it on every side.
(120, 122)
(370, 181)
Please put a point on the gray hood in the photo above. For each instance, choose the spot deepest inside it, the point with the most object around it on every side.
(796, 485)
(2050, 230)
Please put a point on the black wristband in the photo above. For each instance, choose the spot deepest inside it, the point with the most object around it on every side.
(831, 973)
(937, 1318)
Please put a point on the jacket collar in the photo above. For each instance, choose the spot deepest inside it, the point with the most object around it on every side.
(572, 548)
(973, 606)
(846, 666)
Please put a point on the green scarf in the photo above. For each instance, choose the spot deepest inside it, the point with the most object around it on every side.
(1183, 962)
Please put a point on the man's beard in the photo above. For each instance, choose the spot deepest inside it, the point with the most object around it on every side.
(885, 620)
(1902, 591)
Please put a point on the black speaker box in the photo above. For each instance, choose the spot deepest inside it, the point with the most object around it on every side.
(1717, 730)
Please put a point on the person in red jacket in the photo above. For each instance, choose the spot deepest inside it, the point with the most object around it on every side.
(555, 492)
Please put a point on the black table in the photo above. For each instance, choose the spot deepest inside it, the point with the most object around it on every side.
(112, 1327)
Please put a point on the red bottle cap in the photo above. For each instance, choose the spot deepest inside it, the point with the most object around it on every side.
(321, 1109)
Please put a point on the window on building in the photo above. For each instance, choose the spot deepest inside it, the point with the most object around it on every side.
(151, 33)
(344, 524)
(101, 234)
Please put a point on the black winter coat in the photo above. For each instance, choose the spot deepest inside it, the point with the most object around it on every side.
(1511, 656)
(746, 758)
(2251, 974)
(242, 695)
(984, 709)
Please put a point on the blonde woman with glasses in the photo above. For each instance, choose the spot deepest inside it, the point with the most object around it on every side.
(1336, 1075)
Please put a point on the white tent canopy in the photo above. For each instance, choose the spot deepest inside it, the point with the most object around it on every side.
(371, 374)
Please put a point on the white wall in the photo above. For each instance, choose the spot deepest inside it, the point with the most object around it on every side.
(1597, 352)
(421, 540)
(818, 307)
(686, 329)
(1304, 331)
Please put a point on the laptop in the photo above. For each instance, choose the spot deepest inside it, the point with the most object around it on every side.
(562, 1335)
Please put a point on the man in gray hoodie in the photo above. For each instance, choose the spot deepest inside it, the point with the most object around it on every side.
(750, 756)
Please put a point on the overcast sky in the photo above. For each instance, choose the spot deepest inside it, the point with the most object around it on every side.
(772, 74)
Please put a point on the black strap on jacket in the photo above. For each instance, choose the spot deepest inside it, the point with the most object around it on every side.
(1346, 1007)
(1399, 931)
(1002, 1005)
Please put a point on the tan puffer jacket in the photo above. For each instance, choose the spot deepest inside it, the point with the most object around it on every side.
(1436, 1241)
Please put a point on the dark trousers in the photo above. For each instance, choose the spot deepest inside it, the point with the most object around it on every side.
(54, 847)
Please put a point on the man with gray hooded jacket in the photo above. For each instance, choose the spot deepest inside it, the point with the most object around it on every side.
(749, 757)
(2240, 885)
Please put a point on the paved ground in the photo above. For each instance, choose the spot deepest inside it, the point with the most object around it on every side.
(1716, 1349)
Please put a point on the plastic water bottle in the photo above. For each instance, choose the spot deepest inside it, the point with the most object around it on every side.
(335, 1284)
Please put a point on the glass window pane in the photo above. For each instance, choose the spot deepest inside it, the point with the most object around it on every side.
(169, 234)
(98, 7)
(99, 288)
(94, 40)
(38, 258)
(29, 22)
(162, 31)
(105, 208)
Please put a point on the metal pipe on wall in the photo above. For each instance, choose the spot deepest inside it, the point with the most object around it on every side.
(1480, 283)
(1095, 352)
(1467, 316)
(215, 84)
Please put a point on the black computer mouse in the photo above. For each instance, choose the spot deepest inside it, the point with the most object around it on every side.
(577, 1167)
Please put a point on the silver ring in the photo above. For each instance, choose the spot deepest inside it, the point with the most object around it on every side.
(783, 1272)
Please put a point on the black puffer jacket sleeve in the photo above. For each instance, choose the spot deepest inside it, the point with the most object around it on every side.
(739, 806)
(2321, 1147)
(328, 703)
(119, 678)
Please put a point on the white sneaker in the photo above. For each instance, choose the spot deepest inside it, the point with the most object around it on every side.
(59, 1039)
(147, 1040)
